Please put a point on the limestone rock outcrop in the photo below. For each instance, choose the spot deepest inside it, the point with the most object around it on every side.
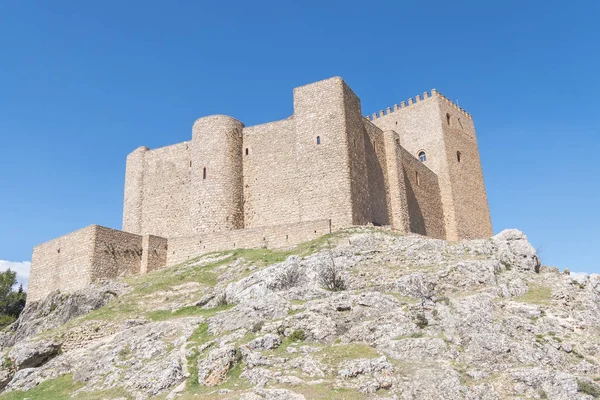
(415, 318)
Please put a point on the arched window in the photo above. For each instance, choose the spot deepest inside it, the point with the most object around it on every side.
(458, 156)
(448, 118)
(422, 156)
(204, 173)
(318, 139)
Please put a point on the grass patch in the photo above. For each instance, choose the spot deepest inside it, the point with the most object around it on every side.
(415, 335)
(334, 355)
(297, 336)
(326, 391)
(588, 388)
(190, 311)
(62, 388)
(536, 294)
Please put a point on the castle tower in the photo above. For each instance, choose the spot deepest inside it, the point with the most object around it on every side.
(134, 191)
(443, 136)
(217, 174)
(328, 120)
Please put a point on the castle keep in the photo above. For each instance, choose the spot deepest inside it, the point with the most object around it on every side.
(414, 167)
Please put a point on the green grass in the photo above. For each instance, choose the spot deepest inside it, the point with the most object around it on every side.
(62, 388)
(588, 388)
(334, 355)
(326, 391)
(190, 311)
(537, 294)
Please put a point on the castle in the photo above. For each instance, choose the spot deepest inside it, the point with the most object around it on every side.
(414, 167)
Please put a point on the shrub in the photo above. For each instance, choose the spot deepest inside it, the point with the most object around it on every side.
(330, 278)
(222, 300)
(421, 321)
(588, 388)
(289, 278)
(297, 336)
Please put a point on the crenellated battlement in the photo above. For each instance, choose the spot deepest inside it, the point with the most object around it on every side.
(417, 99)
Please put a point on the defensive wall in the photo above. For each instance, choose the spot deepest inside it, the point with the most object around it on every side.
(94, 253)
(71, 262)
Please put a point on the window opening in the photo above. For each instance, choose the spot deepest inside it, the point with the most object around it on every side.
(204, 173)
(318, 139)
(422, 156)
(448, 118)
(458, 156)
(417, 178)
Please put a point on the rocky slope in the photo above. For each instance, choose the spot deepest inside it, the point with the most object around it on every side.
(361, 314)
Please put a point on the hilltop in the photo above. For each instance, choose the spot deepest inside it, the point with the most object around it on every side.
(359, 314)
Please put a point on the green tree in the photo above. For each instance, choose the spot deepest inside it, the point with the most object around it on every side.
(12, 302)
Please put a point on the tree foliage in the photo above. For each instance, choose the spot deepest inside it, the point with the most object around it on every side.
(11, 302)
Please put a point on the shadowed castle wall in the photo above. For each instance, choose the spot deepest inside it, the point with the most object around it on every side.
(425, 208)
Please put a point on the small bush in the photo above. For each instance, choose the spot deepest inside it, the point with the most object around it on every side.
(297, 336)
(421, 321)
(330, 278)
(588, 388)
(289, 278)
(222, 300)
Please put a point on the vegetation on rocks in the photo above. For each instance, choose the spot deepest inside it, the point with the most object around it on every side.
(414, 318)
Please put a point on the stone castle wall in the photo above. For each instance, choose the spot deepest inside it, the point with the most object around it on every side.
(280, 236)
(73, 261)
(270, 174)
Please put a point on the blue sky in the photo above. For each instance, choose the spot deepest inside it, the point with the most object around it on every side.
(82, 84)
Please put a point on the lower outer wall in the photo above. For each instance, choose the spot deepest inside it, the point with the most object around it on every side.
(278, 236)
(73, 261)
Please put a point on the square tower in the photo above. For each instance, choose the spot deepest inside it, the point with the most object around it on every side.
(442, 136)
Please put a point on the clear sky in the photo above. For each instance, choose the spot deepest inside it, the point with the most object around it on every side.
(82, 84)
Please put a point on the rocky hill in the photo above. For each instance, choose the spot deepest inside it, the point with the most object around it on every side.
(361, 314)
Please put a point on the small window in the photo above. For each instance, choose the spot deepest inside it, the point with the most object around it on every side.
(458, 156)
(448, 118)
(246, 151)
(318, 139)
(422, 156)
(190, 164)
(417, 178)
(204, 173)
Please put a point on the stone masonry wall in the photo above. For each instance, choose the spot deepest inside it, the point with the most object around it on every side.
(154, 253)
(471, 208)
(73, 261)
(185, 248)
(167, 191)
(63, 263)
(397, 201)
(425, 209)
(377, 175)
(270, 174)
(321, 152)
(116, 253)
